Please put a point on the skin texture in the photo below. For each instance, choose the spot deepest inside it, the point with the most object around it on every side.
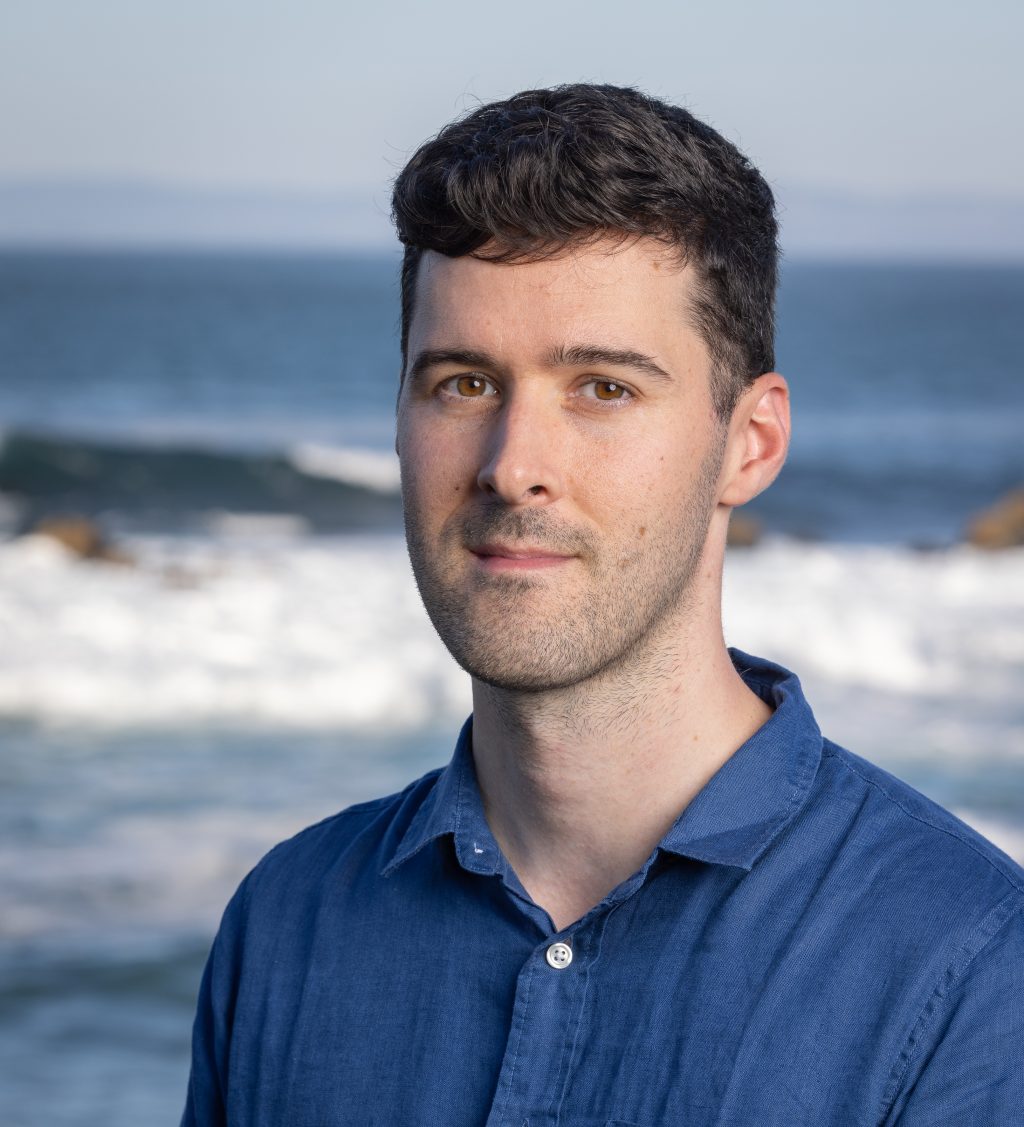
(567, 488)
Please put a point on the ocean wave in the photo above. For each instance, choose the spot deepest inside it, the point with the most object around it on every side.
(171, 487)
(940, 624)
(165, 481)
(371, 468)
(319, 633)
(222, 693)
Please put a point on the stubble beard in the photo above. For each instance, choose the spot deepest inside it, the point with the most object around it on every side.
(509, 632)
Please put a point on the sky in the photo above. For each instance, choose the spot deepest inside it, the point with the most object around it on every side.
(906, 99)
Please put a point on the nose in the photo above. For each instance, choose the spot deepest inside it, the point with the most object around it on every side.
(524, 457)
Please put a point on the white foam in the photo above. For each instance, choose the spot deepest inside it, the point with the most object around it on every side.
(374, 469)
(308, 634)
(935, 624)
(256, 525)
(902, 655)
(322, 633)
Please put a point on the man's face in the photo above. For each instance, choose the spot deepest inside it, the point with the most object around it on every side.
(560, 457)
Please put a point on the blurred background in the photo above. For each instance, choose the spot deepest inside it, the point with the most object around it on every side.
(209, 636)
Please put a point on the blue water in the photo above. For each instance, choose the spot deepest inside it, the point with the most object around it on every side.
(154, 391)
(908, 396)
(243, 349)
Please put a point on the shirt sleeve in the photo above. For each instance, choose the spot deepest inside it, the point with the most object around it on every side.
(968, 1067)
(205, 1104)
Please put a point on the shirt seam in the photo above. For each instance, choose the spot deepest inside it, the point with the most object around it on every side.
(948, 831)
(1001, 915)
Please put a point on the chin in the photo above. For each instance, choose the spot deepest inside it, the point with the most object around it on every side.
(532, 661)
(519, 680)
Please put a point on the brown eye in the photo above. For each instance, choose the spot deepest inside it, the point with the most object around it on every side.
(470, 386)
(606, 389)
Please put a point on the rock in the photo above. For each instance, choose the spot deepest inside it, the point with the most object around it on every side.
(744, 531)
(82, 537)
(1002, 525)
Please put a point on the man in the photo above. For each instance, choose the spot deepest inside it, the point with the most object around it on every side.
(645, 890)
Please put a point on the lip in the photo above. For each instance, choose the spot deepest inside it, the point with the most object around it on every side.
(497, 557)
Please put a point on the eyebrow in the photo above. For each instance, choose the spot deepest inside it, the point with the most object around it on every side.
(578, 355)
(563, 356)
(432, 357)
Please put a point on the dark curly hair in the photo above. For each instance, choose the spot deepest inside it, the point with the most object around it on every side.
(522, 179)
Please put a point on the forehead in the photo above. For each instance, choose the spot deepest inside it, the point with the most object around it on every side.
(626, 295)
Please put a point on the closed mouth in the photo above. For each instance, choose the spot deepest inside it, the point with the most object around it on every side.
(498, 557)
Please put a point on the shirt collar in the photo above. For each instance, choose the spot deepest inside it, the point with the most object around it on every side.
(760, 788)
(454, 806)
(737, 815)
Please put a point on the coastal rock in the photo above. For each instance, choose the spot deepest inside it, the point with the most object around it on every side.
(1002, 525)
(744, 531)
(82, 537)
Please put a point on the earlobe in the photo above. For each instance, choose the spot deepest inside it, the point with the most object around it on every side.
(759, 439)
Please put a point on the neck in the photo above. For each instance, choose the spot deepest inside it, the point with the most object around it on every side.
(580, 784)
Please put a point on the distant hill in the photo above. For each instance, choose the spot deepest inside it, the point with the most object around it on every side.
(127, 214)
(837, 224)
(818, 223)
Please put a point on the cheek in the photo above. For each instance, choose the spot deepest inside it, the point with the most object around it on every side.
(639, 498)
(436, 465)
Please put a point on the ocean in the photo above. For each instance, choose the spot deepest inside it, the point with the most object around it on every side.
(264, 660)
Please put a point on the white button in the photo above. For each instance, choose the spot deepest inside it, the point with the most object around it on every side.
(558, 955)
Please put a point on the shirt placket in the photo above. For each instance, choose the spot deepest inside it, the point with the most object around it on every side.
(547, 1020)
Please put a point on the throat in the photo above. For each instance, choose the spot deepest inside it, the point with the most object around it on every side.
(578, 808)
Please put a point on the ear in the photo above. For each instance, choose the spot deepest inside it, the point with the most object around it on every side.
(758, 440)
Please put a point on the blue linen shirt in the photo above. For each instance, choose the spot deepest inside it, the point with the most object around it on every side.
(812, 942)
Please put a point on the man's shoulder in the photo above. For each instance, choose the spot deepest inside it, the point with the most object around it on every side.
(361, 835)
(900, 825)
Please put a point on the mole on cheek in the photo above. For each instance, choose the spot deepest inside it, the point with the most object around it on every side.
(641, 532)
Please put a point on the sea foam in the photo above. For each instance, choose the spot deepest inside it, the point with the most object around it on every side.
(309, 677)
(373, 468)
(327, 632)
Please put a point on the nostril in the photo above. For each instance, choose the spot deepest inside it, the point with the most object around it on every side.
(535, 489)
